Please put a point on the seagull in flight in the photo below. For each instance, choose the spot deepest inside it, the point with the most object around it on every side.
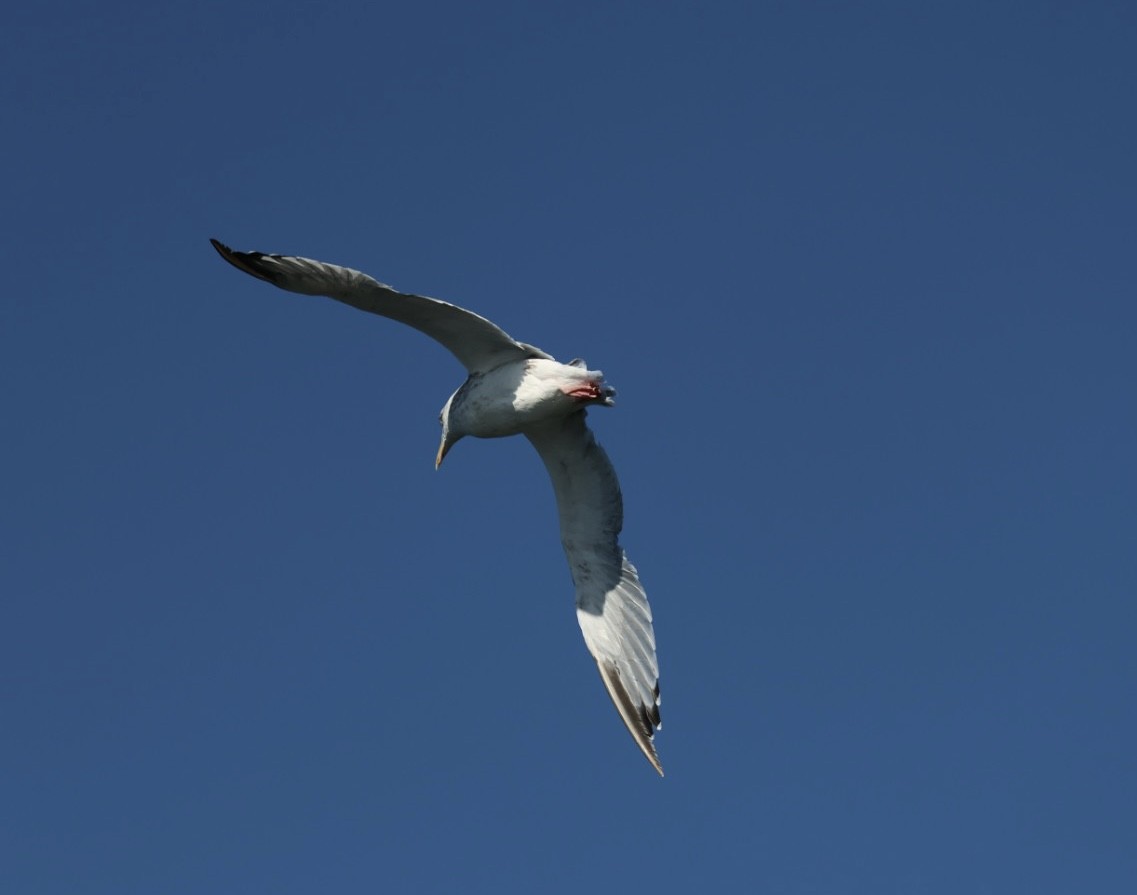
(516, 389)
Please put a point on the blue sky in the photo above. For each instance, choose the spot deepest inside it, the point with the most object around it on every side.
(863, 276)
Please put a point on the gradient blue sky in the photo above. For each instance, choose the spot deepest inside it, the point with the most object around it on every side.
(863, 275)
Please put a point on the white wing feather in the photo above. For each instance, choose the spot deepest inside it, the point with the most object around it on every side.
(611, 605)
(479, 344)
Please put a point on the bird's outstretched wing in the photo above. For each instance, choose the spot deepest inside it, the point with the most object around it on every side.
(479, 344)
(611, 605)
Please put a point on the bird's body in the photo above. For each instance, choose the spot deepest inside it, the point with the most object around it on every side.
(516, 389)
(519, 394)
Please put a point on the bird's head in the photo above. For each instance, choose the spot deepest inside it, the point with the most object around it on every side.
(450, 435)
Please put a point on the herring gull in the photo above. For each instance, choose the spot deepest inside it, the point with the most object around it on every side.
(514, 388)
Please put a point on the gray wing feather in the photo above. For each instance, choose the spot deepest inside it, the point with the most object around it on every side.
(479, 344)
(611, 605)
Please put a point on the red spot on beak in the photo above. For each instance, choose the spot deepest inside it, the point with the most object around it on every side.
(586, 391)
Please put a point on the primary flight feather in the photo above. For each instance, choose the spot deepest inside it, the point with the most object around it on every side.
(514, 388)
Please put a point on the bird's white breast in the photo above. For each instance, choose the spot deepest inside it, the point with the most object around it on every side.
(506, 400)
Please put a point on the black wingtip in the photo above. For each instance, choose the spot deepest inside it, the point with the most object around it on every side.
(638, 719)
(224, 251)
(243, 261)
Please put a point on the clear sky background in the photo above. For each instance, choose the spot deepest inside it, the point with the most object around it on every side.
(863, 275)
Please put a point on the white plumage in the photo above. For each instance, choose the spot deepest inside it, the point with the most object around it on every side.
(514, 388)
